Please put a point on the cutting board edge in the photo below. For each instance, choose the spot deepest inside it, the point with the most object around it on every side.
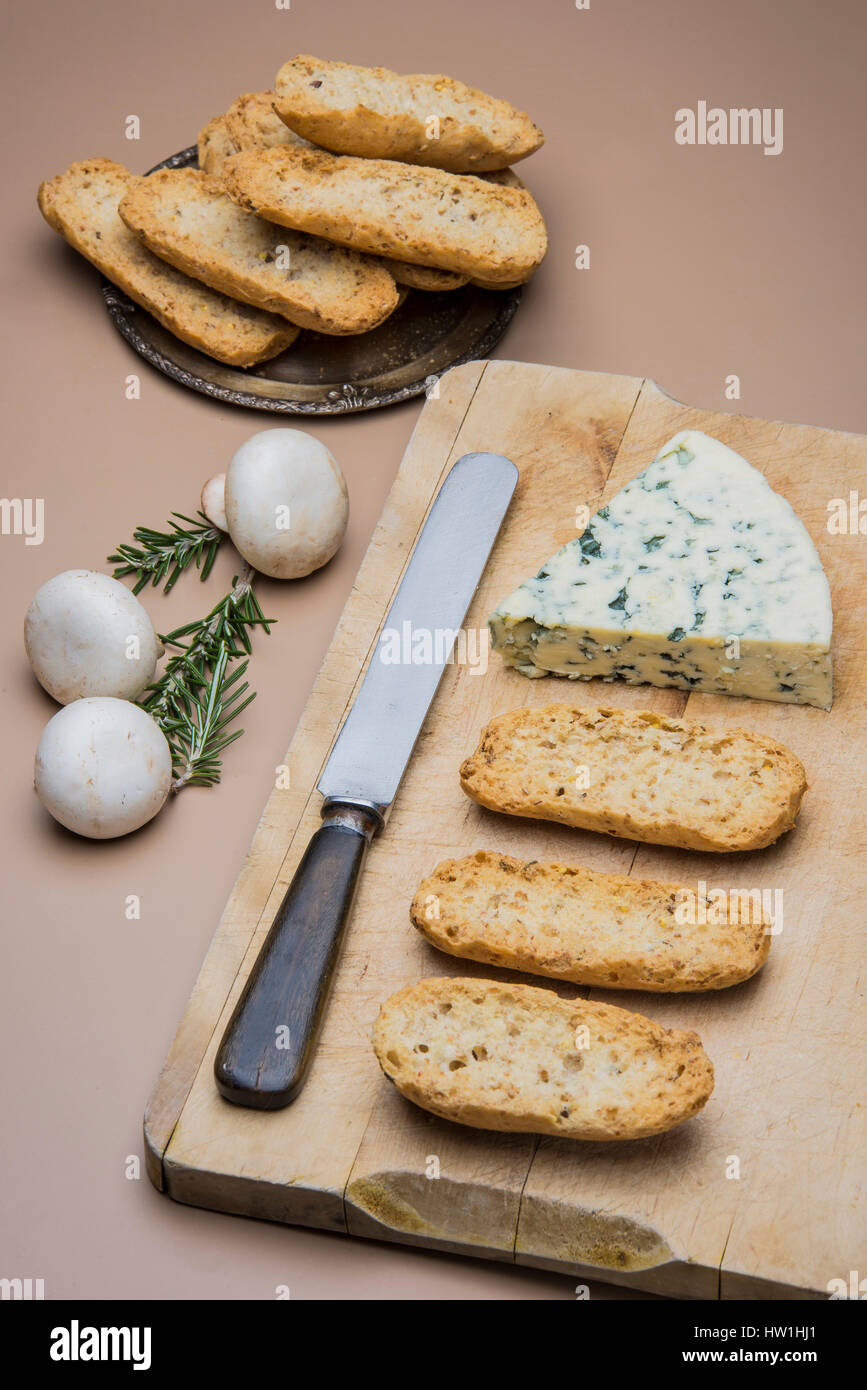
(233, 1194)
(304, 1205)
(650, 382)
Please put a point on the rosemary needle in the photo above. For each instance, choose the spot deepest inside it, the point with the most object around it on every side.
(162, 556)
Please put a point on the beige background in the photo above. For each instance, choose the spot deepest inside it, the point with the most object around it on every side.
(704, 262)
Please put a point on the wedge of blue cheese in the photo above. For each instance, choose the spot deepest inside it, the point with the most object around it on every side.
(696, 575)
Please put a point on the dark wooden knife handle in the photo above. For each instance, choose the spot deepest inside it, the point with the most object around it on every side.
(268, 1045)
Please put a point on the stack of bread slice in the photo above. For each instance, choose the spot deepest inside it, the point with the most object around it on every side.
(317, 205)
(514, 1057)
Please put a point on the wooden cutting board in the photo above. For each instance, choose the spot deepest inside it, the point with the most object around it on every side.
(759, 1196)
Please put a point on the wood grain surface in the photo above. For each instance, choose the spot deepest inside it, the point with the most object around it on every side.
(759, 1196)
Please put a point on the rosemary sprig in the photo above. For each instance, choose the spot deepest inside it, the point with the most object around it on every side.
(226, 623)
(200, 692)
(202, 707)
(164, 555)
(197, 695)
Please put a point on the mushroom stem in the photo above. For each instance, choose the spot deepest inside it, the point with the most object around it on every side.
(214, 501)
(244, 582)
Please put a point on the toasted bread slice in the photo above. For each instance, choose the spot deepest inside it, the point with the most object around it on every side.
(189, 220)
(516, 1058)
(253, 124)
(419, 119)
(607, 930)
(82, 205)
(421, 215)
(505, 178)
(419, 277)
(214, 145)
(423, 277)
(492, 285)
(639, 776)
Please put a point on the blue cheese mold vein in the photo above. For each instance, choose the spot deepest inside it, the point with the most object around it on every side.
(695, 575)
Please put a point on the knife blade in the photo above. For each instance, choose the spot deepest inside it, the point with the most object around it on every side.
(268, 1046)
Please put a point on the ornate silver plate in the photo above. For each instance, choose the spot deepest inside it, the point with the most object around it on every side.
(325, 375)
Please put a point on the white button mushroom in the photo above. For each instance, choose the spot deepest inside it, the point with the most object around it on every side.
(103, 767)
(286, 503)
(86, 634)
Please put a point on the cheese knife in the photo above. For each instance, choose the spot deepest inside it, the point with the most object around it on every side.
(268, 1046)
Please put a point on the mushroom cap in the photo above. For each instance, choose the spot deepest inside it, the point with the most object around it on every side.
(103, 767)
(287, 504)
(86, 634)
